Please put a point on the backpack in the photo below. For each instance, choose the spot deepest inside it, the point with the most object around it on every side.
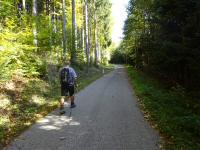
(64, 75)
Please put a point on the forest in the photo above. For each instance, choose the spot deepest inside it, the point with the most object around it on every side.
(36, 38)
(161, 43)
(37, 33)
(160, 48)
(162, 37)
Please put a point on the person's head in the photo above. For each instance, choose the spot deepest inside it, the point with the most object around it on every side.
(67, 63)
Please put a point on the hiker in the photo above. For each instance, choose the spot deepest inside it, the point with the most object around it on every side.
(67, 81)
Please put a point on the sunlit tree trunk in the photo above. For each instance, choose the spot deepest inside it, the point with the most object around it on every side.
(95, 34)
(74, 32)
(24, 4)
(87, 35)
(35, 23)
(64, 32)
(34, 7)
(50, 14)
(83, 28)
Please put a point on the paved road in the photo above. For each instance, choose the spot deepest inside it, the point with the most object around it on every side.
(106, 118)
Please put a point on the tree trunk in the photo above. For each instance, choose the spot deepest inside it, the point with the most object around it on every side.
(83, 29)
(24, 4)
(87, 34)
(47, 7)
(95, 35)
(74, 32)
(91, 54)
(64, 32)
(50, 14)
(83, 38)
(35, 42)
(54, 30)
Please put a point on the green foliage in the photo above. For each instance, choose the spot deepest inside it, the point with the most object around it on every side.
(169, 110)
(103, 8)
(6, 7)
(31, 49)
(118, 56)
(28, 43)
(162, 36)
(14, 53)
(18, 54)
(32, 99)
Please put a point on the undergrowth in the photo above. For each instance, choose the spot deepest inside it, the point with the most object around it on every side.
(23, 101)
(170, 111)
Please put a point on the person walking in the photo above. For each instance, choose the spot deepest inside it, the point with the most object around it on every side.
(68, 78)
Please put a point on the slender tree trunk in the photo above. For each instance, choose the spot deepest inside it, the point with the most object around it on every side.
(54, 19)
(35, 42)
(83, 39)
(102, 56)
(87, 34)
(50, 14)
(79, 39)
(95, 34)
(24, 4)
(91, 54)
(64, 32)
(47, 7)
(83, 29)
(99, 49)
(54, 28)
(34, 7)
(74, 32)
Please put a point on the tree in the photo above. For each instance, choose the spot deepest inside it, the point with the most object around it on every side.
(24, 4)
(161, 36)
(74, 32)
(35, 33)
(96, 35)
(64, 31)
(35, 24)
(87, 50)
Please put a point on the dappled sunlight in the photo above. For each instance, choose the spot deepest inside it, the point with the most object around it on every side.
(27, 123)
(4, 101)
(4, 120)
(49, 127)
(10, 86)
(54, 122)
(43, 120)
(38, 99)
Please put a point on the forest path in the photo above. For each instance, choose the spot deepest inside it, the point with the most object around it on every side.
(107, 117)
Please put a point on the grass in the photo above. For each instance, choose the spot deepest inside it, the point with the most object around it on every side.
(24, 101)
(169, 111)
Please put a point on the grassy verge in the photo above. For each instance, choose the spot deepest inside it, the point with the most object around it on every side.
(169, 111)
(24, 101)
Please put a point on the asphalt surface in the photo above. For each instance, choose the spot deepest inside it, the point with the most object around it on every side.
(107, 117)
